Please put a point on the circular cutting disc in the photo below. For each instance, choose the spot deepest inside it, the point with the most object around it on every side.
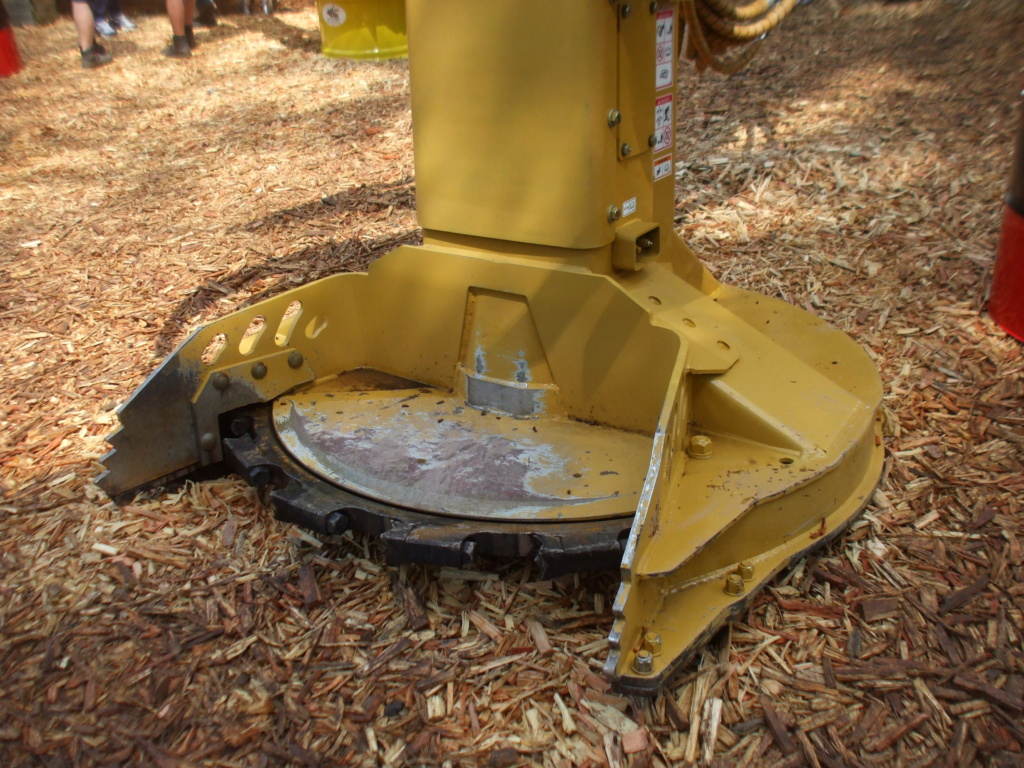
(420, 448)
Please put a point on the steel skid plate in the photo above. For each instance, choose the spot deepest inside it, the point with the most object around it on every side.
(458, 404)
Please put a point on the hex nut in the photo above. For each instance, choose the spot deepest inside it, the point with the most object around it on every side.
(700, 447)
(734, 584)
(746, 570)
(626, 150)
(259, 370)
(614, 213)
(652, 643)
(643, 663)
(295, 359)
(614, 118)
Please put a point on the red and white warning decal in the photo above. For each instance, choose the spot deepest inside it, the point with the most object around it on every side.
(664, 37)
(662, 167)
(663, 123)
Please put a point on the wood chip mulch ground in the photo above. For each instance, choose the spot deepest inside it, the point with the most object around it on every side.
(855, 169)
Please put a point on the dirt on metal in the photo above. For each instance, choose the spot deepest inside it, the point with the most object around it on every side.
(856, 169)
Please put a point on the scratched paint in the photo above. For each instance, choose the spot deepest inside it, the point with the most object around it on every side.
(421, 448)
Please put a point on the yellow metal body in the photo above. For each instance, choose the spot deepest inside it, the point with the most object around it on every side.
(363, 29)
(554, 333)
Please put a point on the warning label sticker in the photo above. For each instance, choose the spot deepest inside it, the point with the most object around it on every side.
(629, 207)
(333, 15)
(665, 37)
(662, 167)
(663, 123)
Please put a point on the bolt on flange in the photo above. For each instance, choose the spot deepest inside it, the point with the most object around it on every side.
(734, 585)
(652, 643)
(700, 447)
(643, 662)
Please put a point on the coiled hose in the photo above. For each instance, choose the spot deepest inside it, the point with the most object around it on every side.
(714, 27)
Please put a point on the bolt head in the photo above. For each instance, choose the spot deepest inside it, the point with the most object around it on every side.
(734, 584)
(259, 370)
(643, 663)
(652, 140)
(652, 643)
(614, 213)
(614, 118)
(208, 442)
(700, 447)
(746, 570)
(295, 359)
(626, 150)
(221, 381)
(626, 11)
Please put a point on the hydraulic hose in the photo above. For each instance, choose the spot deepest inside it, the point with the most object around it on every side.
(743, 11)
(715, 26)
(745, 30)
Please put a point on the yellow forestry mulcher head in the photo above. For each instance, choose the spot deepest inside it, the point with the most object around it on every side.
(552, 374)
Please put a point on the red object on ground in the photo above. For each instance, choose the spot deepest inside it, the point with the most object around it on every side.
(1006, 296)
(10, 61)
(1006, 299)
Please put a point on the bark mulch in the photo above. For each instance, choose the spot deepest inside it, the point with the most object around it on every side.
(856, 169)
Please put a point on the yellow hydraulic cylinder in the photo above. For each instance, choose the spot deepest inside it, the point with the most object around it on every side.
(553, 359)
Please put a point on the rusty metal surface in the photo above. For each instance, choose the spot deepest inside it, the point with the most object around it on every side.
(423, 448)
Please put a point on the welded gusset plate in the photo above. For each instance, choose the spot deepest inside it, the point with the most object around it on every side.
(297, 496)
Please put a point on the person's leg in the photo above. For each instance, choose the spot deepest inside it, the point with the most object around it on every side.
(100, 8)
(117, 15)
(190, 13)
(206, 13)
(82, 14)
(93, 54)
(180, 13)
(176, 14)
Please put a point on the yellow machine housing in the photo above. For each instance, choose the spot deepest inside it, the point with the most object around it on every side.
(553, 364)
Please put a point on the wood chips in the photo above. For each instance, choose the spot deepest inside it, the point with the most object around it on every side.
(855, 169)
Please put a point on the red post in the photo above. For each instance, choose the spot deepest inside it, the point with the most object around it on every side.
(10, 61)
(1006, 297)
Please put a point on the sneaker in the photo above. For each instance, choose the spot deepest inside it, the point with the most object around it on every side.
(190, 37)
(123, 22)
(178, 49)
(206, 14)
(105, 28)
(95, 56)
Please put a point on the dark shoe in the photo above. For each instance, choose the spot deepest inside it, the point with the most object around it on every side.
(178, 49)
(95, 56)
(123, 22)
(105, 28)
(190, 37)
(206, 14)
